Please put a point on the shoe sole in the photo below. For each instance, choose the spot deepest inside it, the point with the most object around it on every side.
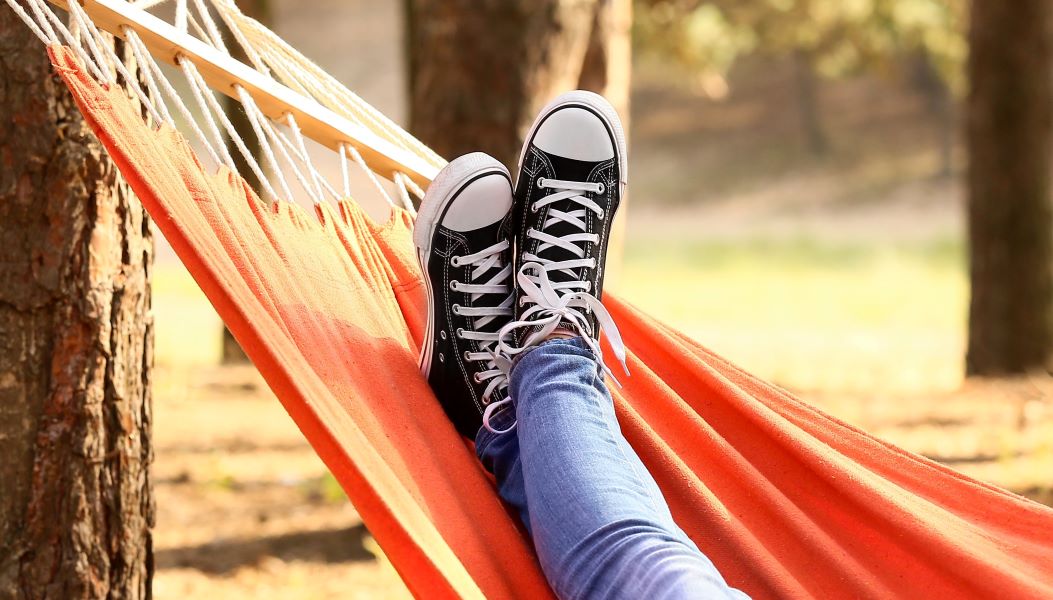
(441, 193)
(599, 106)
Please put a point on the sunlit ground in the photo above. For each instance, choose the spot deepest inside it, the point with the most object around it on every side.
(810, 315)
(871, 333)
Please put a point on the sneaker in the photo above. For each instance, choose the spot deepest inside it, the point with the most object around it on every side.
(572, 172)
(464, 247)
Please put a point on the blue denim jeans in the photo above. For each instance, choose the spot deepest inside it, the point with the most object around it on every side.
(599, 523)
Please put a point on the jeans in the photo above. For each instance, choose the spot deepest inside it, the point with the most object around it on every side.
(599, 523)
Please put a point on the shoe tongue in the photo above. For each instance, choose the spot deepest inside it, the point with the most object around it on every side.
(565, 169)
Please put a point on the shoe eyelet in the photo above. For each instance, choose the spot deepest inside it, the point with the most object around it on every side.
(460, 333)
(541, 182)
(533, 207)
(476, 378)
(454, 284)
(442, 357)
(442, 334)
(466, 356)
(602, 214)
(600, 188)
(456, 308)
(455, 261)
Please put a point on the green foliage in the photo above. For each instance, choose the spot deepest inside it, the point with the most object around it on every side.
(840, 37)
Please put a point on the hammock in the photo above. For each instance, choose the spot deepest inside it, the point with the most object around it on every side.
(786, 501)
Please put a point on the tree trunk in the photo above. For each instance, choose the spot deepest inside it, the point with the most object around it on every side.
(479, 71)
(261, 11)
(807, 84)
(607, 70)
(75, 348)
(1009, 211)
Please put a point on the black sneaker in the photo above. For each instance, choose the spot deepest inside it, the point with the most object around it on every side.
(571, 175)
(464, 245)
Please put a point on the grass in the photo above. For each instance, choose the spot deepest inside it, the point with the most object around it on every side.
(810, 314)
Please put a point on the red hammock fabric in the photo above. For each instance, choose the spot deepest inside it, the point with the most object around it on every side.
(787, 501)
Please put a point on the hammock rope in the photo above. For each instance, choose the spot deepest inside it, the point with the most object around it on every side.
(282, 141)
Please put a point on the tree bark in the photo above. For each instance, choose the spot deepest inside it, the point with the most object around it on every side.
(260, 10)
(807, 83)
(479, 71)
(75, 348)
(1009, 211)
(607, 70)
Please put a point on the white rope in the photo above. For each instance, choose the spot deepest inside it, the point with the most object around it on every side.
(132, 81)
(146, 67)
(199, 89)
(407, 202)
(304, 159)
(345, 174)
(214, 107)
(28, 20)
(355, 154)
(210, 25)
(231, 15)
(319, 181)
(39, 11)
(77, 16)
(276, 139)
(170, 91)
(181, 14)
(348, 104)
(413, 187)
(249, 104)
(43, 12)
(269, 55)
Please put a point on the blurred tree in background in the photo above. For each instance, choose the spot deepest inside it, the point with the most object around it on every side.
(922, 39)
(479, 71)
(1010, 121)
(261, 11)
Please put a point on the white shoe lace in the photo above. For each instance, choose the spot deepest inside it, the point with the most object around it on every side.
(484, 261)
(559, 304)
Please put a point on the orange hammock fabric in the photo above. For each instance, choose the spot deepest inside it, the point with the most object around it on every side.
(785, 500)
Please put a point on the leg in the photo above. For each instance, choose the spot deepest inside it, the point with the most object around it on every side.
(600, 524)
(499, 453)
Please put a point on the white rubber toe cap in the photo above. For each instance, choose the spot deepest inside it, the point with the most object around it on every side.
(575, 133)
(482, 202)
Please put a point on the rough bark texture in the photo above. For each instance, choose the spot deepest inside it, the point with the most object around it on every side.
(479, 70)
(1010, 216)
(75, 348)
(261, 11)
